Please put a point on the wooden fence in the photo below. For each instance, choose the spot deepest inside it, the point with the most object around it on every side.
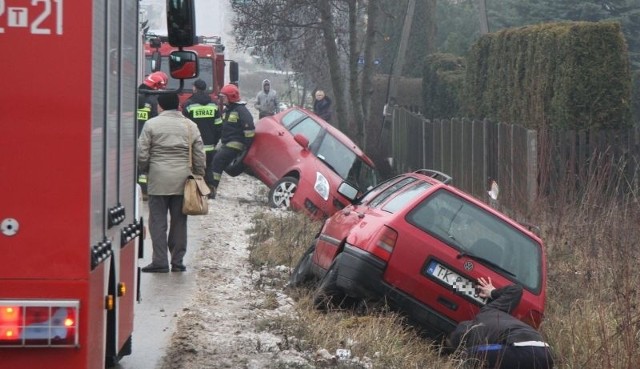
(525, 163)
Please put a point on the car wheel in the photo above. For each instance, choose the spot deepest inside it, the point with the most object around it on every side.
(281, 193)
(328, 294)
(302, 275)
(237, 166)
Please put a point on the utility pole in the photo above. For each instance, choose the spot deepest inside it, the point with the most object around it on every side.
(484, 21)
(402, 50)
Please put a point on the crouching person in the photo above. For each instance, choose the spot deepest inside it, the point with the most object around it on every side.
(498, 340)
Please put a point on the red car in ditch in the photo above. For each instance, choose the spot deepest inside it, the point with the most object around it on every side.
(303, 160)
(419, 244)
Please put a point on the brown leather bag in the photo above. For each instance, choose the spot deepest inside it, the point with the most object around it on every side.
(195, 190)
(195, 196)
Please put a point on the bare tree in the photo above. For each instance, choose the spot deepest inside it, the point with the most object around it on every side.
(317, 37)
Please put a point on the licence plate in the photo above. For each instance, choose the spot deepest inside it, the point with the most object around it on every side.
(458, 283)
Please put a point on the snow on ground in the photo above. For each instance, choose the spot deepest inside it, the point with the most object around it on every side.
(220, 327)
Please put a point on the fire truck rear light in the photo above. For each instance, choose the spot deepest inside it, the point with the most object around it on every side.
(36, 323)
(109, 303)
(122, 289)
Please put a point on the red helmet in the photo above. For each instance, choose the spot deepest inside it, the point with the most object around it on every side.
(232, 92)
(156, 80)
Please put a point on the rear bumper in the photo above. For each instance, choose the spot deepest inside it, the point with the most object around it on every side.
(360, 274)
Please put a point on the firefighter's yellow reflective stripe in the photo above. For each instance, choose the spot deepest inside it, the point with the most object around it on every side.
(249, 134)
(201, 111)
(143, 114)
(209, 148)
(217, 176)
(217, 121)
(233, 117)
(142, 178)
(235, 145)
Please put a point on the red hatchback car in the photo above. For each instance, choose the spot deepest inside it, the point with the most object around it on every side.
(303, 160)
(420, 244)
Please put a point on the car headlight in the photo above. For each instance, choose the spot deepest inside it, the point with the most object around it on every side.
(321, 186)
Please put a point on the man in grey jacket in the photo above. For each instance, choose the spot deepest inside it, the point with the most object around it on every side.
(266, 100)
(163, 154)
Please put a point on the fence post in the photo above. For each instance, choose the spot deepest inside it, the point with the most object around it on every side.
(532, 167)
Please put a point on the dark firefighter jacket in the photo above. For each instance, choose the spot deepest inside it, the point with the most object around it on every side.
(147, 106)
(206, 115)
(494, 324)
(238, 129)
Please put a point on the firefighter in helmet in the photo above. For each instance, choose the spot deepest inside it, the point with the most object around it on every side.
(206, 115)
(148, 108)
(238, 132)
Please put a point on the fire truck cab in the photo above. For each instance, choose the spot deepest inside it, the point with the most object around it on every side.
(71, 232)
(211, 62)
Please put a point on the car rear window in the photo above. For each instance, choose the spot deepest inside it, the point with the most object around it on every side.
(478, 232)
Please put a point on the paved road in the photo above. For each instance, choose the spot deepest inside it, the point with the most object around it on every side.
(164, 296)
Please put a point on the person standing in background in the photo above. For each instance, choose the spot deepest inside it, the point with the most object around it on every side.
(266, 100)
(163, 154)
(322, 106)
(206, 115)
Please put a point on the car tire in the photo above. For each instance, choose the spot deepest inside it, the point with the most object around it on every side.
(237, 166)
(302, 275)
(282, 191)
(328, 295)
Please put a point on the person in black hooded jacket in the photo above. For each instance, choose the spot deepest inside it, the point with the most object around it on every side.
(206, 115)
(497, 338)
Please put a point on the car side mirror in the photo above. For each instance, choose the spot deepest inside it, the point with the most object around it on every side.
(300, 139)
(234, 72)
(347, 190)
(156, 61)
(183, 64)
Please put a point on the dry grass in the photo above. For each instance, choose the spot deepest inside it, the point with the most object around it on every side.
(593, 304)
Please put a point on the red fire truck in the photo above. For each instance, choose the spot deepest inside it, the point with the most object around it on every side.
(211, 62)
(70, 230)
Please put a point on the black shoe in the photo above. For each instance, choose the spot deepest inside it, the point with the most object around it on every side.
(178, 268)
(212, 194)
(155, 269)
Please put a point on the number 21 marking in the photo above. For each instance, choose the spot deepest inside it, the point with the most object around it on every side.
(35, 26)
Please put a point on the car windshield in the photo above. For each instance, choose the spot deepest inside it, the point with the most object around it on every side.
(346, 163)
(205, 72)
(478, 233)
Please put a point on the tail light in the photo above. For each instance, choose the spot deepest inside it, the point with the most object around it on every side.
(38, 323)
(384, 242)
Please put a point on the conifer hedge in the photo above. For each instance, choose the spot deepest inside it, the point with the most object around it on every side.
(442, 82)
(571, 75)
